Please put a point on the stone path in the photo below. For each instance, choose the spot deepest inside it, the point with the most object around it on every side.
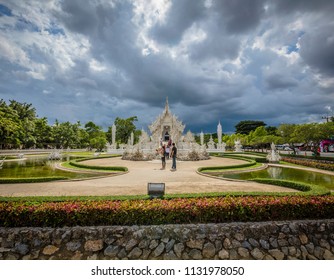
(184, 180)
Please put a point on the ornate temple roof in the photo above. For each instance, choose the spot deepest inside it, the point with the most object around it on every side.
(166, 118)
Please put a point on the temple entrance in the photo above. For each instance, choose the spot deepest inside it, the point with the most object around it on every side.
(165, 134)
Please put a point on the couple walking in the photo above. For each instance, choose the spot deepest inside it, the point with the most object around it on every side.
(172, 155)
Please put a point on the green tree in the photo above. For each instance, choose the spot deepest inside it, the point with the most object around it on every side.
(10, 126)
(286, 132)
(66, 135)
(257, 137)
(272, 130)
(43, 133)
(124, 128)
(245, 127)
(27, 116)
(96, 136)
(98, 142)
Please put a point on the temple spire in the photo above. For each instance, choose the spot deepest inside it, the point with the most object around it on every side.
(167, 105)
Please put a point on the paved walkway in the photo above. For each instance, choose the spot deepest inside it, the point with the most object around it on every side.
(184, 180)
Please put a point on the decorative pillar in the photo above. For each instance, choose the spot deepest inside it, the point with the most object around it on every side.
(219, 133)
(113, 134)
(202, 138)
(132, 139)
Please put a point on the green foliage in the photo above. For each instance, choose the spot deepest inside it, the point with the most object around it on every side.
(85, 166)
(124, 128)
(250, 163)
(30, 180)
(245, 127)
(66, 134)
(305, 188)
(159, 211)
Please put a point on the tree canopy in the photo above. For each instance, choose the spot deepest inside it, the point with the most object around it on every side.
(245, 127)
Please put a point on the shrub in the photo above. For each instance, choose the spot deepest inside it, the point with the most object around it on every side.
(157, 211)
(30, 180)
(109, 168)
(305, 188)
(250, 163)
(311, 163)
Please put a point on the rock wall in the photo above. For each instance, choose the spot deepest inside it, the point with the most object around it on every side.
(266, 240)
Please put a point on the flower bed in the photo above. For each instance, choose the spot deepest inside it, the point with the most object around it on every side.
(172, 211)
(325, 165)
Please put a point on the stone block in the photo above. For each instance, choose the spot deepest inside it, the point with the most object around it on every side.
(303, 238)
(195, 254)
(223, 254)
(276, 254)
(135, 253)
(94, 245)
(50, 250)
(209, 250)
(257, 254)
(158, 250)
(195, 243)
(132, 243)
(111, 251)
(243, 253)
(178, 249)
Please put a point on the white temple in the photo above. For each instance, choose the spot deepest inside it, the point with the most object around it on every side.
(167, 129)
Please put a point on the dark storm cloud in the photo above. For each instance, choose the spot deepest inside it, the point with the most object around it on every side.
(87, 18)
(317, 49)
(180, 17)
(239, 16)
(288, 6)
(215, 60)
(279, 81)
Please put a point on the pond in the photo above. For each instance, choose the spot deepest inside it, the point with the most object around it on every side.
(33, 167)
(290, 174)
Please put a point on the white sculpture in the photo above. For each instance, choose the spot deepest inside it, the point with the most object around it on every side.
(219, 133)
(211, 144)
(237, 146)
(202, 138)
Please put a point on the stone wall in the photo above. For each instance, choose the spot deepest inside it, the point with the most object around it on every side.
(266, 240)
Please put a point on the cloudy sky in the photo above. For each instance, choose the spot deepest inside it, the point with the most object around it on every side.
(214, 60)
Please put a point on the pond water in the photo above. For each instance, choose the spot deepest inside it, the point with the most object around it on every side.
(34, 167)
(291, 174)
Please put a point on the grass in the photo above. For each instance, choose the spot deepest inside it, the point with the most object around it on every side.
(223, 170)
(30, 180)
(67, 164)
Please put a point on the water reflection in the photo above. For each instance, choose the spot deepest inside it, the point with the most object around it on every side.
(275, 172)
(288, 174)
(38, 167)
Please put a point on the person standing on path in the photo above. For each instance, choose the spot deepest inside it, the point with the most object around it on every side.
(173, 156)
(163, 157)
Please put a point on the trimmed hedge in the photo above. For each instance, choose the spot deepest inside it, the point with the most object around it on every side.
(109, 168)
(250, 163)
(173, 211)
(30, 180)
(305, 188)
(261, 160)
